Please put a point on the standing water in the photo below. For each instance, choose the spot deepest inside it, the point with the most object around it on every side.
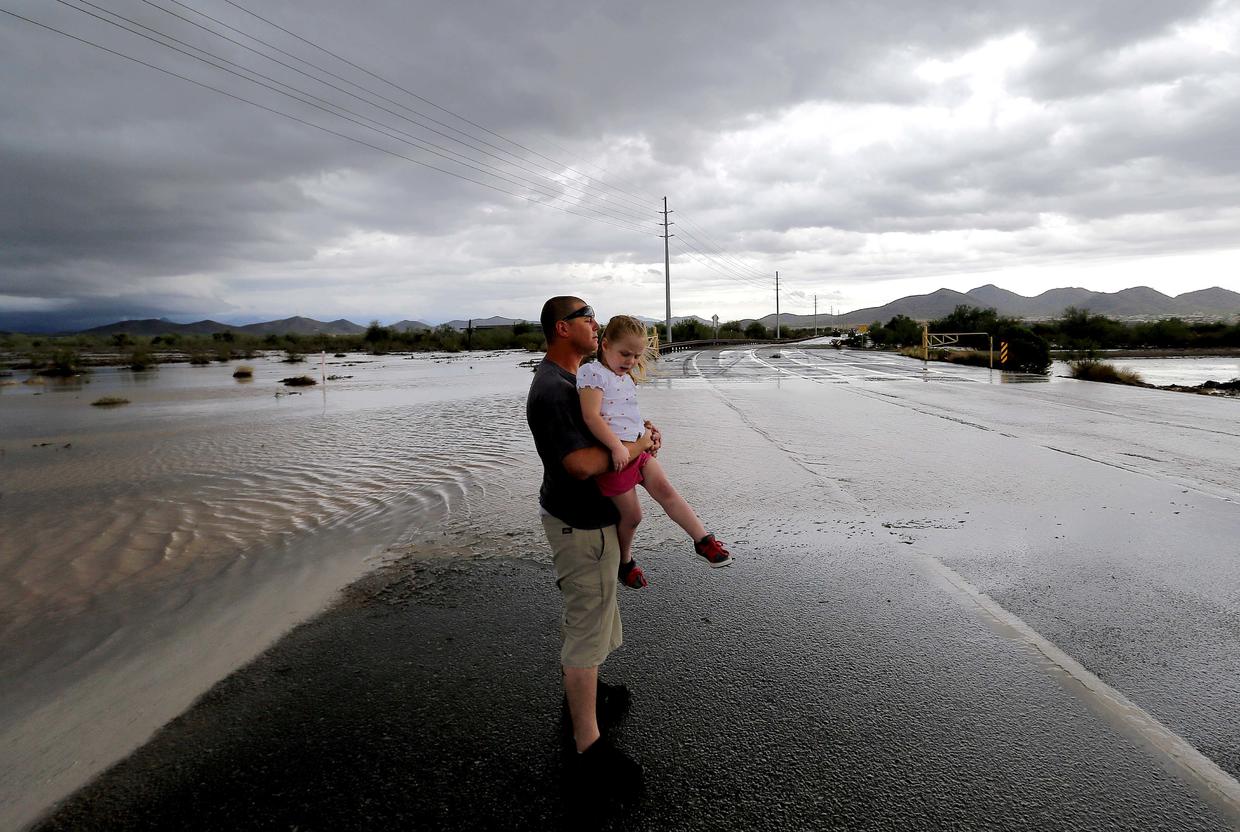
(1188, 372)
(150, 549)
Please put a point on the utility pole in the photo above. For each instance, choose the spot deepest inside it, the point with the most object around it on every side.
(667, 271)
(815, 315)
(776, 306)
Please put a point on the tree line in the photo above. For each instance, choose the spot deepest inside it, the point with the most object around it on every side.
(67, 354)
(1028, 352)
(1077, 330)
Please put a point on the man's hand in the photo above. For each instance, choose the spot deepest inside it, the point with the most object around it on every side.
(656, 438)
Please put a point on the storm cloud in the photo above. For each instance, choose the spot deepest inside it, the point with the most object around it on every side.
(863, 150)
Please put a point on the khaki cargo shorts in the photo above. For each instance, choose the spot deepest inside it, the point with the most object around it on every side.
(586, 562)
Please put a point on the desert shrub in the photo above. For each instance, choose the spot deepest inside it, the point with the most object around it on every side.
(691, 330)
(971, 358)
(900, 331)
(62, 362)
(447, 338)
(1089, 369)
(243, 371)
(298, 381)
(1027, 352)
(531, 341)
(141, 359)
(109, 401)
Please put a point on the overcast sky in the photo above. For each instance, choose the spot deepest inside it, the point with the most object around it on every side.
(866, 151)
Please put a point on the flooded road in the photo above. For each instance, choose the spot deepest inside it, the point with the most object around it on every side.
(882, 510)
(1104, 518)
(152, 548)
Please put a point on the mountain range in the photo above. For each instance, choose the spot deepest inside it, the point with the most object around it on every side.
(163, 326)
(1139, 303)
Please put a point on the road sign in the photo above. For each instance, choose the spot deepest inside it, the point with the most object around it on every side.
(1003, 352)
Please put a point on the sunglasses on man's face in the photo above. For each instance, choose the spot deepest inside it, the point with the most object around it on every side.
(583, 312)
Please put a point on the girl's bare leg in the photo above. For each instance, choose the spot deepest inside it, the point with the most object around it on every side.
(660, 487)
(630, 517)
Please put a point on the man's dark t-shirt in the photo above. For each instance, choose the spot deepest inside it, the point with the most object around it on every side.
(553, 410)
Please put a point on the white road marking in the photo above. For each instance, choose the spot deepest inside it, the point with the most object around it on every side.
(1178, 756)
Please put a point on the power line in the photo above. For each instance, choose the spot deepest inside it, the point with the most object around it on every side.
(696, 256)
(520, 161)
(724, 264)
(404, 90)
(722, 267)
(725, 259)
(382, 129)
(720, 249)
(302, 121)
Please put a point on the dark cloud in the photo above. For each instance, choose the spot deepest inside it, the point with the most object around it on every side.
(798, 134)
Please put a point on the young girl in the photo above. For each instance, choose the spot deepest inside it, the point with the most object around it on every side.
(609, 404)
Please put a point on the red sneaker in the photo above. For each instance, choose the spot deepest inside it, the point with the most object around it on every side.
(714, 551)
(631, 575)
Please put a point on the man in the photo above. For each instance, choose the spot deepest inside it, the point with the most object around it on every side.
(581, 527)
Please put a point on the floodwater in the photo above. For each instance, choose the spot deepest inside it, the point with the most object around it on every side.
(1164, 371)
(149, 549)
(152, 548)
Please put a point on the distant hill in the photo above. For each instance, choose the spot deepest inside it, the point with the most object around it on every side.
(302, 326)
(159, 326)
(1207, 301)
(1138, 303)
(163, 326)
(410, 326)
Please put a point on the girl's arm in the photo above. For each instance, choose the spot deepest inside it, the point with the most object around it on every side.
(592, 410)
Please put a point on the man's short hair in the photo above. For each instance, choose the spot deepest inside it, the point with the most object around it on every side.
(553, 311)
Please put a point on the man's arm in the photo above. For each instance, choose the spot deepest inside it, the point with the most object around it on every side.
(584, 463)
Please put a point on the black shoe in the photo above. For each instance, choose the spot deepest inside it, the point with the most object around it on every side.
(604, 766)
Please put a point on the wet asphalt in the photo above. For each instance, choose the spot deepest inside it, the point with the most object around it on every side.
(773, 694)
(827, 680)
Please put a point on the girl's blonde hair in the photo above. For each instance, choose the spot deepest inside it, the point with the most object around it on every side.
(622, 326)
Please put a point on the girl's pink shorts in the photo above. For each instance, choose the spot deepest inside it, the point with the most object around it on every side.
(615, 483)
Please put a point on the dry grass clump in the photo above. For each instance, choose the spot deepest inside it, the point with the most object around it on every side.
(298, 381)
(1092, 370)
(243, 371)
(140, 360)
(109, 401)
(972, 358)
